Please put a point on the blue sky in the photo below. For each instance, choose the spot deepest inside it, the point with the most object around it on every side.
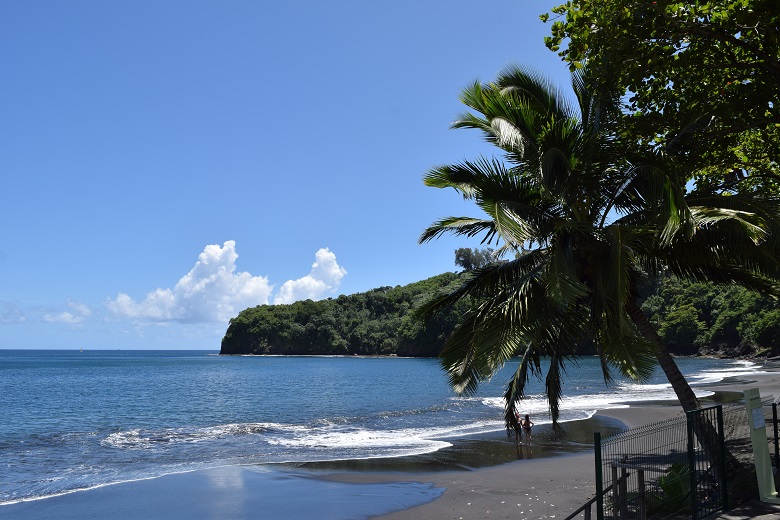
(168, 164)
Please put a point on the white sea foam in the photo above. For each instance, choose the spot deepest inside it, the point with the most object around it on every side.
(571, 408)
(379, 442)
(146, 439)
(575, 407)
(349, 439)
(738, 368)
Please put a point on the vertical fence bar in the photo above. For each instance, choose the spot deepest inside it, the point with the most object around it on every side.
(689, 415)
(641, 505)
(615, 493)
(724, 492)
(623, 493)
(774, 428)
(599, 475)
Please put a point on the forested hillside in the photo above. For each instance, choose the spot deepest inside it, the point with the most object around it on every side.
(706, 319)
(692, 318)
(377, 322)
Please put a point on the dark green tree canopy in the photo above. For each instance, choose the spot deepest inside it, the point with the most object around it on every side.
(473, 258)
(704, 318)
(703, 78)
(377, 322)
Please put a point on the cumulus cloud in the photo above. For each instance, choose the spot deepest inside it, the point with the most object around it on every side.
(77, 314)
(214, 292)
(324, 278)
(10, 313)
(211, 291)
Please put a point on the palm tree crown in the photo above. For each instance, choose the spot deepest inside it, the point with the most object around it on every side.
(580, 215)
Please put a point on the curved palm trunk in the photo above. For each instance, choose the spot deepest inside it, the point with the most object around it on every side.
(704, 431)
(679, 384)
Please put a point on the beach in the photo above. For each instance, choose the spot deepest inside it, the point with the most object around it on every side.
(544, 488)
(551, 487)
(478, 477)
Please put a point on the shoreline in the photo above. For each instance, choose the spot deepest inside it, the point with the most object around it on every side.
(358, 489)
(494, 492)
(480, 476)
(544, 487)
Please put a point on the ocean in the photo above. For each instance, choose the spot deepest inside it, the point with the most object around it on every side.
(77, 420)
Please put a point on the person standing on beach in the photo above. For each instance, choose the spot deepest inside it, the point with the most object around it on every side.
(526, 425)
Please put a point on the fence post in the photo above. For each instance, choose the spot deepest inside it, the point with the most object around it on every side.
(623, 493)
(724, 493)
(689, 415)
(774, 428)
(615, 493)
(599, 477)
(641, 478)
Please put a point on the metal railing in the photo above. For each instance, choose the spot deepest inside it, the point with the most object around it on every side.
(676, 468)
(587, 508)
(665, 469)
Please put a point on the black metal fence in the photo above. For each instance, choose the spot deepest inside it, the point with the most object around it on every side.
(680, 468)
(670, 469)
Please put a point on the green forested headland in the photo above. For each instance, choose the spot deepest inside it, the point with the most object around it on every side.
(692, 318)
(373, 323)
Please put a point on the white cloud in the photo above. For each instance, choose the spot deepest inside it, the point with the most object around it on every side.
(77, 314)
(211, 291)
(63, 317)
(214, 292)
(324, 278)
(10, 313)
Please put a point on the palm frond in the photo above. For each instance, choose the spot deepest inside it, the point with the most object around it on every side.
(560, 277)
(631, 354)
(459, 226)
(555, 169)
(502, 279)
(515, 388)
(553, 387)
(465, 175)
(751, 224)
(528, 84)
(511, 226)
(508, 136)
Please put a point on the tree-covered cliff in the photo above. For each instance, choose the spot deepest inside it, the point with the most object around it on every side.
(377, 322)
(707, 319)
(692, 318)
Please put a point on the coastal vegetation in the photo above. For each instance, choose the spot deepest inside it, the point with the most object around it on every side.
(692, 318)
(696, 318)
(582, 210)
(374, 323)
(700, 79)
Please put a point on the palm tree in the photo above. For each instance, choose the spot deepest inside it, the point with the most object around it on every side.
(581, 215)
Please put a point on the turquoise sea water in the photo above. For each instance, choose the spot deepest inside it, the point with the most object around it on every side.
(76, 420)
